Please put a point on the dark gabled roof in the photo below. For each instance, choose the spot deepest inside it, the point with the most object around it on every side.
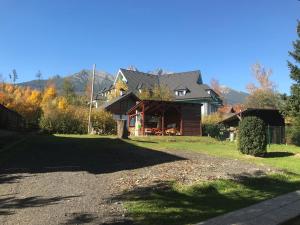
(181, 87)
(136, 79)
(106, 105)
(191, 81)
(271, 117)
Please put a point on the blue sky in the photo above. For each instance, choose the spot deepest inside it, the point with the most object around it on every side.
(220, 38)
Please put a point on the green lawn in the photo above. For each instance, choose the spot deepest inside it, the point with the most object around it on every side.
(182, 204)
(286, 157)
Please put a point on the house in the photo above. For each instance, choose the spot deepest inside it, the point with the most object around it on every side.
(272, 118)
(187, 87)
(152, 117)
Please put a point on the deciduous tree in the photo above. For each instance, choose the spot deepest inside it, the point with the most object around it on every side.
(264, 95)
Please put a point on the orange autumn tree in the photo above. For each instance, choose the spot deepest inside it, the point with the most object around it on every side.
(23, 100)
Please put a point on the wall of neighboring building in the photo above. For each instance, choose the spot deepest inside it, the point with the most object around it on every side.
(10, 120)
(208, 108)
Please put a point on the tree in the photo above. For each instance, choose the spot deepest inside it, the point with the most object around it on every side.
(159, 92)
(215, 85)
(293, 104)
(264, 95)
(162, 92)
(49, 94)
(144, 94)
(13, 76)
(39, 77)
(68, 89)
(116, 92)
(292, 109)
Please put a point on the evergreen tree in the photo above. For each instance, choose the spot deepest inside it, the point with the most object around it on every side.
(39, 77)
(14, 76)
(68, 89)
(293, 105)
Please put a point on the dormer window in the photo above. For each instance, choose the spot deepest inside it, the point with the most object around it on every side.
(181, 92)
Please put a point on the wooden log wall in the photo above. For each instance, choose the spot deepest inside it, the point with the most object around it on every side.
(191, 120)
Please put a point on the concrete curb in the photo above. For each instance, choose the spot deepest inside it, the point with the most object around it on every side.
(270, 212)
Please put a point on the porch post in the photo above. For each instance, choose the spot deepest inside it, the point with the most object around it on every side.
(163, 122)
(181, 123)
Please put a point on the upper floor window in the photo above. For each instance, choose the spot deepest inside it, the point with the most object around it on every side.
(180, 92)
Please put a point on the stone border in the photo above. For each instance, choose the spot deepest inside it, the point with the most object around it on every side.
(270, 212)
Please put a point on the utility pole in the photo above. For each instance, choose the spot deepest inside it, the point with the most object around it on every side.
(91, 100)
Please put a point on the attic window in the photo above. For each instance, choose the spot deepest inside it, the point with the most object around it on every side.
(180, 93)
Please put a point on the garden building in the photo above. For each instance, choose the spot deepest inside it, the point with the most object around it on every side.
(273, 119)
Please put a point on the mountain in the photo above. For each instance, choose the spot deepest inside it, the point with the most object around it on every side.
(79, 81)
(232, 96)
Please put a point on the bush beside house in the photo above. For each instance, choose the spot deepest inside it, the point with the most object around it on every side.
(75, 120)
(252, 138)
(212, 128)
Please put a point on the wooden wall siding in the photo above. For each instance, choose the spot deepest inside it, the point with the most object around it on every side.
(10, 120)
(121, 107)
(191, 120)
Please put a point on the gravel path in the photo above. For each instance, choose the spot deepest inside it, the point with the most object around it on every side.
(37, 190)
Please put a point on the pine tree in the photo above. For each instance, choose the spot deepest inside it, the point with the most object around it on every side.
(293, 105)
(39, 77)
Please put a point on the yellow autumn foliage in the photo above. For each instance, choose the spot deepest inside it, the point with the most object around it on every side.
(62, 103)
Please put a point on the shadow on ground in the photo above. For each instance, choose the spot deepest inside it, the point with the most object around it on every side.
(10, 204)
(84, 218)
(164, 203)
(278, 154)
(95, 155)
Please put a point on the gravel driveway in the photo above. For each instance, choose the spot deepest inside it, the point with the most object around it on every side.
(57, 180)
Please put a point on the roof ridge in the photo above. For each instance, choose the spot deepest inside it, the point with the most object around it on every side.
(138, 72)
(191, 71)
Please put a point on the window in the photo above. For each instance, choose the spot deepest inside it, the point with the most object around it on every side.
(132, 122)
(180, 93)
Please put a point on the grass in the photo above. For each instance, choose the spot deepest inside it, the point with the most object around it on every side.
(179, 204)
(286, 157)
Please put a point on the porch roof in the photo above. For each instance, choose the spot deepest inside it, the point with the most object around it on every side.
(152, 105)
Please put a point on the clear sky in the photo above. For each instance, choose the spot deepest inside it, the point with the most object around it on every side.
(220, 38)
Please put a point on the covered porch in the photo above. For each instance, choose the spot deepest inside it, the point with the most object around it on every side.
(150, 117)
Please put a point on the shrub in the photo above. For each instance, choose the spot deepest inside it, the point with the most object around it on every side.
(68, 121)
(217, 131)
(103, 122)
(252, 139)
(74, 120)
(293, 135)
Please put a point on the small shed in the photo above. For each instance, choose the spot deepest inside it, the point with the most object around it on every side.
(272, 117)
(151, 117)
